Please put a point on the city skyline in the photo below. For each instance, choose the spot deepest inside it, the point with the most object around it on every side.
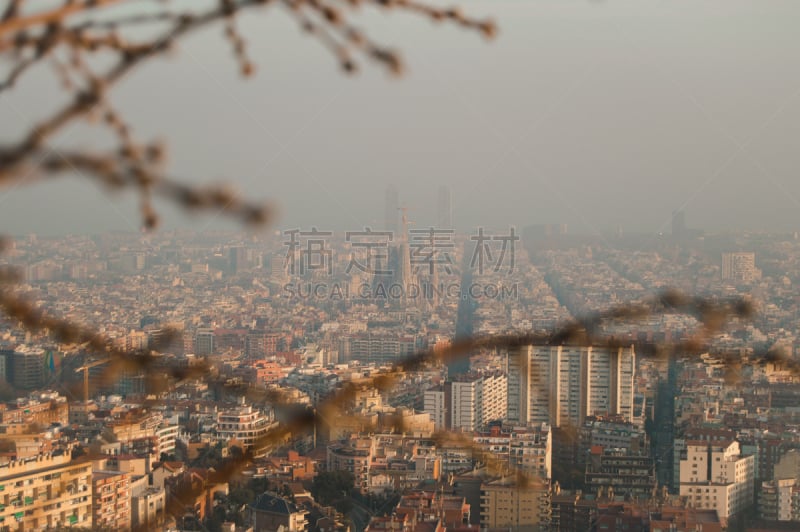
(581, 414)
(549, 281)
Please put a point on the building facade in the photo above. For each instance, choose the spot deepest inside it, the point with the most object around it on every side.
(618, 473)
(111, 500)
(244, 424)
(562, 385)
(715, 475)
(46, 492)
(354, 456)
(779, 500)
(739, 267)
(507, 505)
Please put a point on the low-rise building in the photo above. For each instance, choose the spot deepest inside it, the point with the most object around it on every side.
(354, 456)
(270, 512)
(245, 425)
(147, 509)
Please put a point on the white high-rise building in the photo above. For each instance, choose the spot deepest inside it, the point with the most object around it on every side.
(434, 405)
(561, 385)
(715, 475)
(468, 402)
(476, 400)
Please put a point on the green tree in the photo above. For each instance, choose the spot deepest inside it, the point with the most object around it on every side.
(332, 486)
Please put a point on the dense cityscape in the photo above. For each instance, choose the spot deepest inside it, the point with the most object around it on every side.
(549, 436)
(399, 266)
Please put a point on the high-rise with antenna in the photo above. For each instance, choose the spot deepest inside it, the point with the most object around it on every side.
(434, 280)
(444, 213)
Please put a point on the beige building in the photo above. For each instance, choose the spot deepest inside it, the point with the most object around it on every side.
(740, 267)
(531, 451)
(46, 492)
(715, 475)
(525, 449)
(788, 466)
(475, 400)
(434, 405)
(111, 500)
(778, 500)
(505, 504)
(148, 434)
(354, 456)
(147, 509)
(42, 408)
(246, 426)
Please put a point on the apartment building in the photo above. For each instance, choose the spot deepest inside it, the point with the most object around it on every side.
(525, 449)
(468, 402)
(246, 425)
(505, 504)
(111, 500)
(562, 385)
(147, 508)
(739, 267)
(47, 491)
(354, 456)
(715, 475)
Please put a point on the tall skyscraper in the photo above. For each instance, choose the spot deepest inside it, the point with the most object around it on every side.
(561, 385)
(392, 204)
(405, 255)
(238, 259)
(444, 218)
(678, 224)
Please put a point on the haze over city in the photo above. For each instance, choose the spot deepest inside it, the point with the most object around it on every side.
(594, 114)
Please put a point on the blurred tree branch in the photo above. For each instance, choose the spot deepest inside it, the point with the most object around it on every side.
(81, 30)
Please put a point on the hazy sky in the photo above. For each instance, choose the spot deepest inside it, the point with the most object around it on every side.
(594, 114)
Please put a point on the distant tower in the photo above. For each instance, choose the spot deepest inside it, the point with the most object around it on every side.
(678, 224)
(445, 208)
(405, 254)
(392, 205)
(434, 296)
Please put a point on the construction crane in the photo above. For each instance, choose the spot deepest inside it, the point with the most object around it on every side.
(85, 368)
